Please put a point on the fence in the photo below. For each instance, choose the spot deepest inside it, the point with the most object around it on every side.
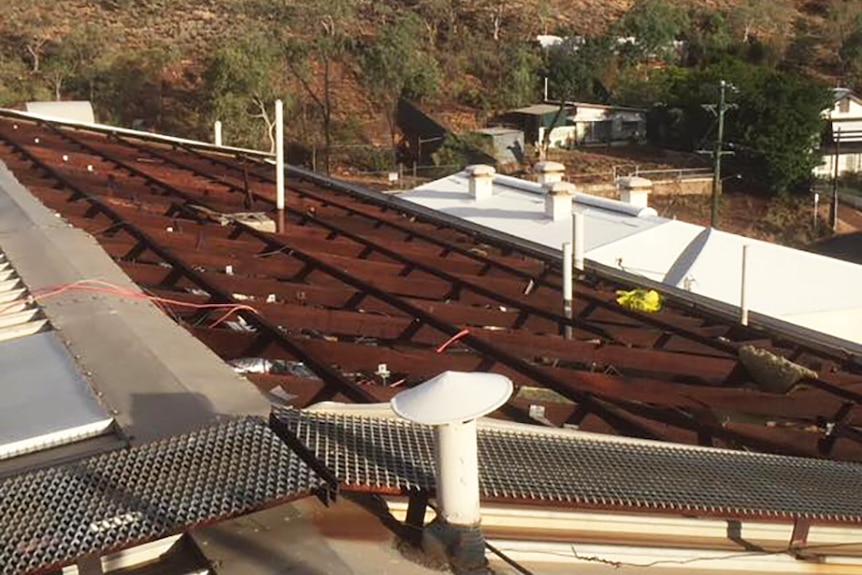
(404, 177)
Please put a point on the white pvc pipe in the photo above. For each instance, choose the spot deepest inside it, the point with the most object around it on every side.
(458, 473)
(743, 304)
(217, 130)
(279, 154)
(578, 240)
(568, 279)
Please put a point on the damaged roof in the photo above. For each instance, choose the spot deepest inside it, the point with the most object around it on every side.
(360, 295)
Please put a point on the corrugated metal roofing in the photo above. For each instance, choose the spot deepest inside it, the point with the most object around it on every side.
(19, 315)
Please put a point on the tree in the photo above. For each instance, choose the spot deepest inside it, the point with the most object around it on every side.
(653, 25)
(332, 25)
(771, 19)
(243, 79)
(778, 126)
(133, 86)
(396, 64)
(12, 80)
(574, 72)
(774, 129)
(31, 28)
(851, 55)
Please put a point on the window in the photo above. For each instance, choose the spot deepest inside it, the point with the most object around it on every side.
(844, 105)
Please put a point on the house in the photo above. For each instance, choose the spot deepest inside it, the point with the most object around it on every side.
(580, 124)
(237, 383)
(843, 135)
(783, 283)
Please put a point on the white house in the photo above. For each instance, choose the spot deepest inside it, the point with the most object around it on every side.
(580, 124)
(813, 291)
(845, 125)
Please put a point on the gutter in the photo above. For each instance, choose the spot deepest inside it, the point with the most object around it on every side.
(545, 535)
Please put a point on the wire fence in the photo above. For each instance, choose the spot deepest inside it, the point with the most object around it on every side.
(405, 177)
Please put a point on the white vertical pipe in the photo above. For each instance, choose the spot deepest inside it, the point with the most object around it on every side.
(279, 154)
(743, 304)
(578, 239)
(568, 279)
(217, 129)
(458, 473)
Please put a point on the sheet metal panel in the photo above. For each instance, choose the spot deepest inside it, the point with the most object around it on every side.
(586, 471)
(44, 401)
(128, 497)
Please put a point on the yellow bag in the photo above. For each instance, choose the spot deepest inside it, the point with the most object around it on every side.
(640, 300)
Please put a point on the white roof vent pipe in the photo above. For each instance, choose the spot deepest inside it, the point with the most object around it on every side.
(635, 190)
(481, 179)
(558, 200)
(452, 402)
(550, 172)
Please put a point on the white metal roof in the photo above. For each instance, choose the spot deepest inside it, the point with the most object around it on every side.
(45, 402)
(806, 289)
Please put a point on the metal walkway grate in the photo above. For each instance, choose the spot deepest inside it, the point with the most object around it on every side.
(123, 498)
(571, 470)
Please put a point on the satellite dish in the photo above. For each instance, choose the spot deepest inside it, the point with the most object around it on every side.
(453, 397)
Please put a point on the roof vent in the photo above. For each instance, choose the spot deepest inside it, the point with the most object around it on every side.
(481, 181)
(452, 402)
(558, 200)
(635, 190)
(550, 172)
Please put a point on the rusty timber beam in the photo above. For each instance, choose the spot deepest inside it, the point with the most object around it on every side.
(411, 263)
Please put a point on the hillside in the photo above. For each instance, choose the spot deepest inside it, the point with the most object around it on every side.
(145, 61)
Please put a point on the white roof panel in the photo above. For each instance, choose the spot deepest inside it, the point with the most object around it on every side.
(521, 213)
(810, 290)
(44, 401)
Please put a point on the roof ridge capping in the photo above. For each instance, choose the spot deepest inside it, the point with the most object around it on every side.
(580, 198)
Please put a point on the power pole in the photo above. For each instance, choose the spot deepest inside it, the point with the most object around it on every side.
(719, 151)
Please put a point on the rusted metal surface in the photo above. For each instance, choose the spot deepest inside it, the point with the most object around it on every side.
(353, 283)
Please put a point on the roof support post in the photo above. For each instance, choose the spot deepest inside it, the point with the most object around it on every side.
(578, 240)
(217, 134)
(743, 303)
(279, 155)
(415, 520)
(567, 286)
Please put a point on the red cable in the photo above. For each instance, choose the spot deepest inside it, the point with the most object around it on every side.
(103, 287)
(452, 340)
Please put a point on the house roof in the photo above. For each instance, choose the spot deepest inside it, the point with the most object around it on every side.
(341, 292)
(358, 297)
(783, 283)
